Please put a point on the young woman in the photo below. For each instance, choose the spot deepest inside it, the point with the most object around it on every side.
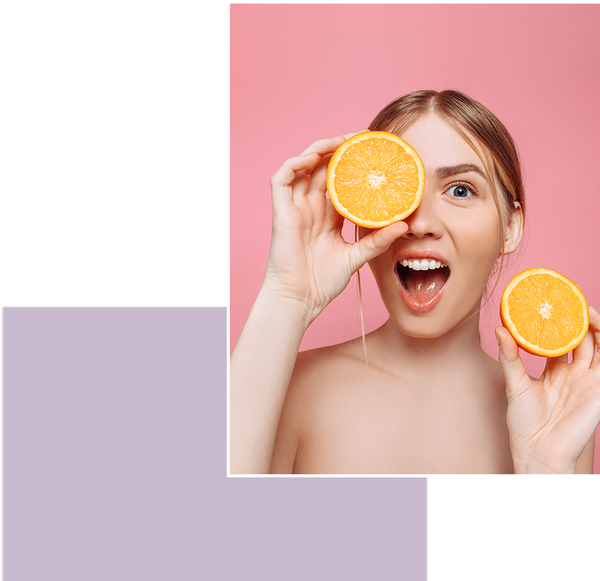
(420, 396)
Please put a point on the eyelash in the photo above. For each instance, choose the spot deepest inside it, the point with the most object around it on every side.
(465, 185)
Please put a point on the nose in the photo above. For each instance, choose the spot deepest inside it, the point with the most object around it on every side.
(425, 221)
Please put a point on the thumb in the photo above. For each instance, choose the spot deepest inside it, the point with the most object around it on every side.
(375, 244)
(510, 361)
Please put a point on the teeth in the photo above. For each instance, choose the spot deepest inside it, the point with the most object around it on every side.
(423, 264)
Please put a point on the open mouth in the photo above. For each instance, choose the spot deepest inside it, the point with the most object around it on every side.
(423, 281)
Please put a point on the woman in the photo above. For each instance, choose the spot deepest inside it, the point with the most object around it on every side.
(420, 396)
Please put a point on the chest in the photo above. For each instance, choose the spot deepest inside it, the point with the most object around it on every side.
(391, 429)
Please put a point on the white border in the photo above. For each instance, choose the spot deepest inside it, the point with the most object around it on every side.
(227, 213)
(392, 2)
(428, 476)
(228, 278)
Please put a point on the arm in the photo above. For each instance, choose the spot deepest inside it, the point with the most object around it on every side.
(309, 265)
(261, 368)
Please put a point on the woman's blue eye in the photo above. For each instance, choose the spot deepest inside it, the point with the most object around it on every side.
(460, 192)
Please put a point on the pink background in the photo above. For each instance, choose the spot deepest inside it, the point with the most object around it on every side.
(305, 72)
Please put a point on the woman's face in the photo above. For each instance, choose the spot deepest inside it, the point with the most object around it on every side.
(456, 226)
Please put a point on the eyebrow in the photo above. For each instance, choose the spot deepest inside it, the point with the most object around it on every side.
(451, 170)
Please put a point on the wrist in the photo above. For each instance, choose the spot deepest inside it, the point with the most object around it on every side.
(287, 304)
(536, 466)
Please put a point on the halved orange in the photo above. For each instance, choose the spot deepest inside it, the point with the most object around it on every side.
(375, 179)
(545, 312)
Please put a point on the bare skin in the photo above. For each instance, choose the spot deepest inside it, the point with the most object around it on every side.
(406, 417)
(430, 400)
(342, 417)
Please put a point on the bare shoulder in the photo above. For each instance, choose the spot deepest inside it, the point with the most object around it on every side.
(318, 372)
(313, 363)
(318, 376)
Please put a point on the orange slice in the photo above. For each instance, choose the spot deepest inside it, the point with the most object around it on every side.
(375, 178)
(545, 312)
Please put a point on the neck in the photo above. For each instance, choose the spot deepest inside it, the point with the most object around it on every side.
(429, 359)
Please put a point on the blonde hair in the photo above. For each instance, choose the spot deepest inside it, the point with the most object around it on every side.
(479, 127)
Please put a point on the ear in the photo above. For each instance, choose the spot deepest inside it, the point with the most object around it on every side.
(514, 230)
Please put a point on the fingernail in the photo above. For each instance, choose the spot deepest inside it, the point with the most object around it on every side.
(497, 338)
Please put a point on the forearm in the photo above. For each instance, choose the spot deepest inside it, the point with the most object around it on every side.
(260, 372)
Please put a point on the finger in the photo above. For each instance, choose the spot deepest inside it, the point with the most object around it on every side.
(286, 174)
(553, 362)
(349, 135)
(510, 361)
(375, 243)
(584, 352)
(325, 146)
(318, 183)
(305, 183)
(319, 174)
(595, 327)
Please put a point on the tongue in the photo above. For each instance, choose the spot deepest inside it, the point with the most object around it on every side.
(424, 284)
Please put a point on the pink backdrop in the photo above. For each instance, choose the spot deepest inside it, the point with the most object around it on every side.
(305, 72)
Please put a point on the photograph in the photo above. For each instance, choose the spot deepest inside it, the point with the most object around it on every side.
(412, 230)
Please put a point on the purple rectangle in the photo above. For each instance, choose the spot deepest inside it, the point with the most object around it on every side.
(115, 465)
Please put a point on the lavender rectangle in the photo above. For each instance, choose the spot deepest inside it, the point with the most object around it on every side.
(115, 465)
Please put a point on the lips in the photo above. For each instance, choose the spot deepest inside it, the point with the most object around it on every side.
(421, 281)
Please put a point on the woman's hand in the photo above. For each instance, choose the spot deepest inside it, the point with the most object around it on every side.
(309, 262)
(551, 420)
